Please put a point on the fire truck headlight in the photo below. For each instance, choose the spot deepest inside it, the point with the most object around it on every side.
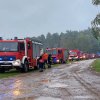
(17, 63)
(83, 56)
(0, 59)
(57, 61)
(69, 58)
(76, 57)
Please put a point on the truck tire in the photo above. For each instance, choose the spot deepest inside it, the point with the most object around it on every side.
(25, 67)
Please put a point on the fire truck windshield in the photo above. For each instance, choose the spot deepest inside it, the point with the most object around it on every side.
(72, 53)
(49, 51)
(54, 52)
(8, 46)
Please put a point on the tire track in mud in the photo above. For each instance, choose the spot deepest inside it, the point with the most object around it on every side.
(40, 84)
(65, 92)
(87, 85)
(92, 90)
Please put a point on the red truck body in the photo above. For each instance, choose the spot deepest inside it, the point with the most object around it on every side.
(85, 56)
(75, 54)
(19, 53)
(58, 54)
(92, 56)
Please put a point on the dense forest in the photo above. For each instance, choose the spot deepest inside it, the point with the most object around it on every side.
(96, 22)
(82, 40)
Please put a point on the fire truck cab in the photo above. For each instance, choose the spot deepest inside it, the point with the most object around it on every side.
(59, 55)
(74, 54)
(21, 54)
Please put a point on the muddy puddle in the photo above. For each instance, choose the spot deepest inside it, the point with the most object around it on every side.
(70, 82)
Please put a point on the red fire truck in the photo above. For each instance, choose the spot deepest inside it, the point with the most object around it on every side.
(85, 56)
(74, 54)
(59, 55)
(92, 56)
(19, 53)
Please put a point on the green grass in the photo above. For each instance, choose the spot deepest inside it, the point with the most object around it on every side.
(55, 65)
(13, 72)
(9, 74)
(96, 65)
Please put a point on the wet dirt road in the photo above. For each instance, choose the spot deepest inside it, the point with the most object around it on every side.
(67, 82)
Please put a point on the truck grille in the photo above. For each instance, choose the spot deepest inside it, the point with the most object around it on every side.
(5, 64)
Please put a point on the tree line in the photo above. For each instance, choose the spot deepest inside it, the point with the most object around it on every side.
(82, 40)
(96, 22)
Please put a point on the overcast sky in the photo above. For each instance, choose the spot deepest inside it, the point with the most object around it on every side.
(35, 17)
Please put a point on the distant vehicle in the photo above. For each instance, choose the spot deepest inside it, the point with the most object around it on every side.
(98, 55)
(92, 55)
(75, 54)
(81, 55)
(59, 55)
(21, 54)
(85, 56)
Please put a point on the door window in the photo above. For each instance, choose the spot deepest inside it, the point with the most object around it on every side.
(21, 46)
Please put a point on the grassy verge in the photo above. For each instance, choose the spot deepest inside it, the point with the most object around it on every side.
(55, 65)
(96, 65)
(9, 73)
(13, 72)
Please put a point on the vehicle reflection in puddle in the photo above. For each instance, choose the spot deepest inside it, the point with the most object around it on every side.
(45, 81)
(16, 92)
(47, 98)
(16, 87)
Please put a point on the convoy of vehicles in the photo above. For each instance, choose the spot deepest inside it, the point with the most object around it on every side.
(23, 54)
(79, 55)
(19, 53)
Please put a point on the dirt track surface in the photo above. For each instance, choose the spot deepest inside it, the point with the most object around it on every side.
(67, 82)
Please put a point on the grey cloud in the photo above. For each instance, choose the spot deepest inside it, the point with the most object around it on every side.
(34, 17)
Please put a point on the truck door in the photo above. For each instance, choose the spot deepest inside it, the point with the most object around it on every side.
(21, 49)
(29, 51)
(60, 55)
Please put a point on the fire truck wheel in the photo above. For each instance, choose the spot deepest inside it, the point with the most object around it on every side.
(2, 70)
(25, 67)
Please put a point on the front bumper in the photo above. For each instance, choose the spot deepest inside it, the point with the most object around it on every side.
(74, 58)
(9, 64)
